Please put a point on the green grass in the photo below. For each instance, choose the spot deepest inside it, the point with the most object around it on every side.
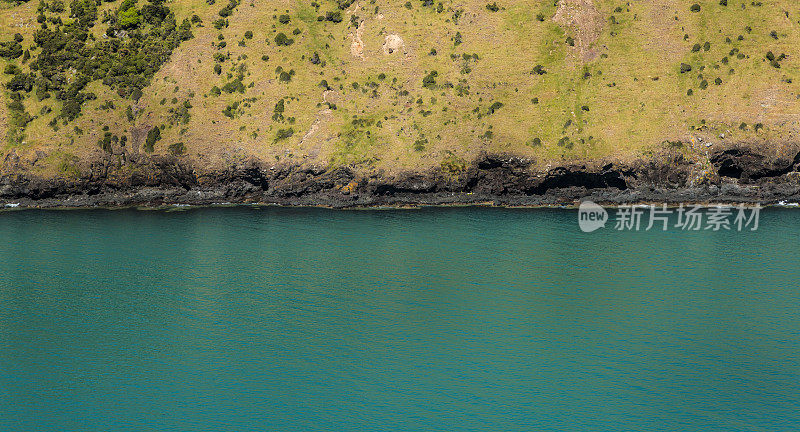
(636, 95)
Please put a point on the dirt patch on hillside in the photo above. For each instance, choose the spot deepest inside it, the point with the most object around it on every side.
(357, 47)
(586, 23)
(394, 44)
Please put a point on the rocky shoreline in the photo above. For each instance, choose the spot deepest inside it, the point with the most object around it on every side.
(735, 175)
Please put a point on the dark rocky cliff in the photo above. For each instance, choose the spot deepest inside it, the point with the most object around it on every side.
(733, 175)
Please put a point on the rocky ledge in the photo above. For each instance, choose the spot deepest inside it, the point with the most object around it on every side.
(733, 175)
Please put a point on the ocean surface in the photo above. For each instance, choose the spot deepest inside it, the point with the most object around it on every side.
(455, 319)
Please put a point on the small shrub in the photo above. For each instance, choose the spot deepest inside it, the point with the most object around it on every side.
(495, 106)
(429, 81)
(695, 8)
(538, 70)
(282, 40)
(136, 94)
(152, 137)
(685, 68)
(177, 149)
(10, 50)
(11, 69)
(334, 17)
(283, 134)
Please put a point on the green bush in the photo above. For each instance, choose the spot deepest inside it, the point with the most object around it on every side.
(129, 19)
(177, 149)
(494, 107)
(85, 11)
(282, 40)
(55, 6)
(429, 81)
(334, 17)
(284, 19)
(10, 50)
(105, 142)
(152, 137)
(695, 8)
(234, 86)
(277, 112)
(283, 134)
(493, 7)
(538, 70)
(685, 68)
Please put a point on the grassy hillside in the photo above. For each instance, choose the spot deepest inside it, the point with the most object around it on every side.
(390, 85)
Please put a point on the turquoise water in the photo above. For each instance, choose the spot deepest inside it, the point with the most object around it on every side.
(247, 319)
